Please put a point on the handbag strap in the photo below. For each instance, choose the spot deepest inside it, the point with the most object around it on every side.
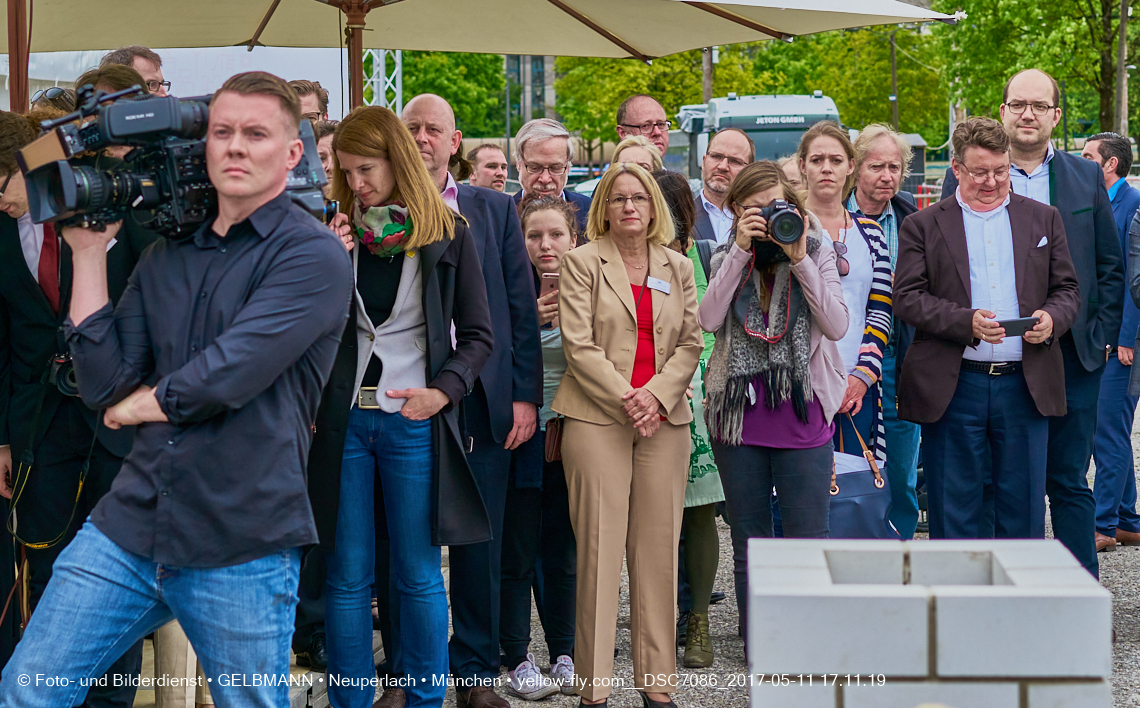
(867, 454)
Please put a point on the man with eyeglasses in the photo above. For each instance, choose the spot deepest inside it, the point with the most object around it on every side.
(314, 99)
(728, 152)
(986, 398)
(1029, 113)
(143, 60)
(500, 414)
(544, 153)
(641, 114)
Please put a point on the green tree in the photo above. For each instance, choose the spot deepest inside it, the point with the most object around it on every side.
(471, 83)
(1073, 40)
(590, 90)
(854, 69)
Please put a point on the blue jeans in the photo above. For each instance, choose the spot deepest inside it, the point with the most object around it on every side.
(102, 599)
(401, 451)
(1115, 487)
(902, 453)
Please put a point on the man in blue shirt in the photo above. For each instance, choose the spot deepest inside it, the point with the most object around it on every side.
(1115, 490)
(1030, 112)
(218, 350)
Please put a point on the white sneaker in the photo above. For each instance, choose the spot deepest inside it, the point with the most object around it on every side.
(528, 683)
(562, 673)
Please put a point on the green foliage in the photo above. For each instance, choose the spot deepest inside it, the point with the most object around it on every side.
(472, 83)
(590, 90)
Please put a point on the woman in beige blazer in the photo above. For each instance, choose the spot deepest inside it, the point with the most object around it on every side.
(628, 308)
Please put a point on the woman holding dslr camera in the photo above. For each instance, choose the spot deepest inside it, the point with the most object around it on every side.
(775, 378)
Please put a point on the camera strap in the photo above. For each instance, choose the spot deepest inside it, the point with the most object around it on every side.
(27, 462)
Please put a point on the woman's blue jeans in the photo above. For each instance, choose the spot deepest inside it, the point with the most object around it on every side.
(401, 452)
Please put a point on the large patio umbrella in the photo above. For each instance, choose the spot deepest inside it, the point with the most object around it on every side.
(641, 29)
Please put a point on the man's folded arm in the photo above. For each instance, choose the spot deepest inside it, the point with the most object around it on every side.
(302, 298)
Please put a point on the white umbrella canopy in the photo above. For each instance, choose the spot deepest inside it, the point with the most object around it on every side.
(641, 29)
(599, 28)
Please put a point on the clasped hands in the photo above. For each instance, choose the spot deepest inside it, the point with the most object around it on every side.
(643, 408)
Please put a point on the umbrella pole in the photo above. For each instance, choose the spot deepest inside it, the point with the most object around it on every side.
(18, 55)
(355, 12)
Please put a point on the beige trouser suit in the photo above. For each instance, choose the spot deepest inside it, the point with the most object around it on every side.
(626, 491)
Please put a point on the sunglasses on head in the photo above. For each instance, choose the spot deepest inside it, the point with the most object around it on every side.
(49, 93)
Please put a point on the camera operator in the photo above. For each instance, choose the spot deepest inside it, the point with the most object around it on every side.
(42, 421)
(238, 333)
(774, 381)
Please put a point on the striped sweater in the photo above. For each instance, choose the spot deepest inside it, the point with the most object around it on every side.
(877, 331)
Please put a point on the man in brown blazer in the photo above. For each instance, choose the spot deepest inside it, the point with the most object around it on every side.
(967, 264)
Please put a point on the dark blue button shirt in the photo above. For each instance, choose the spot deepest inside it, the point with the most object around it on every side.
(240, 333)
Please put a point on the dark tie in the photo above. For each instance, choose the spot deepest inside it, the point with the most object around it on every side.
(49, 267)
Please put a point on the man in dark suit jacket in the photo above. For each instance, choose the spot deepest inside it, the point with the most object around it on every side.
(40, 427)
(728, 152)
(1116, 519)
(1029, 113)
(539, 149)
(502, 411)
(982, 397)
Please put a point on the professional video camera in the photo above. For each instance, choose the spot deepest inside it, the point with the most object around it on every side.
(163, 179)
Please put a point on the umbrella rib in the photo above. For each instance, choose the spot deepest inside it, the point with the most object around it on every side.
(253, 41)
(733, 17)
(609, 36)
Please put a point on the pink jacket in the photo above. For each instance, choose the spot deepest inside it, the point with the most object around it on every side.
(819, 279)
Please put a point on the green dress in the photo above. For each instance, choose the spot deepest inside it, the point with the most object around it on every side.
(704, 481)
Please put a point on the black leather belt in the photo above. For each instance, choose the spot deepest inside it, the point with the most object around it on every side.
(993, 368)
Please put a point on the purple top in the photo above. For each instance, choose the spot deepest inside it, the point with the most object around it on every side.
(781, 428)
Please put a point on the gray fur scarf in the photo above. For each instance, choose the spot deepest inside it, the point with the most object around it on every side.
(738, 357)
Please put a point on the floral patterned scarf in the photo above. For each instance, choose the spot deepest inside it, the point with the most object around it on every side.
(383, 229)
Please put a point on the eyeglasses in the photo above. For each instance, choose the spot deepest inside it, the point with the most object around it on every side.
(1018, 107)
(646, 128)
(153, 85)
(4, 187)
(49, 93)
(841, 263)
(981, 176)
(718, 158)
(554, 170)
(639, 200)
(311, 115)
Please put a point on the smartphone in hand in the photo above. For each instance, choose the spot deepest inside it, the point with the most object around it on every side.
(549, 283)
(1018, 327)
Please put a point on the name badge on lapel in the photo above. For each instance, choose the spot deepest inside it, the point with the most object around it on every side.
(657, 284)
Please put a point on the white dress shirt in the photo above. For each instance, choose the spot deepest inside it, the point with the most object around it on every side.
(1035, 184)
(993, 285)
(721, 220)
(31, 242)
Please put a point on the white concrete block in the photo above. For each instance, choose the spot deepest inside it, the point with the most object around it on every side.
(844, 629)
(858, 566)
(1050, 577)
(1070, 695)
(765, 695)
(935, 566)
(1033, 554)
(1016, 631)
(784, 577)
(786, 552)
(895, 694)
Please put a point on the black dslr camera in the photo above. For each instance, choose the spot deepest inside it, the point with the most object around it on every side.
(784, 224)
(163, 179)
